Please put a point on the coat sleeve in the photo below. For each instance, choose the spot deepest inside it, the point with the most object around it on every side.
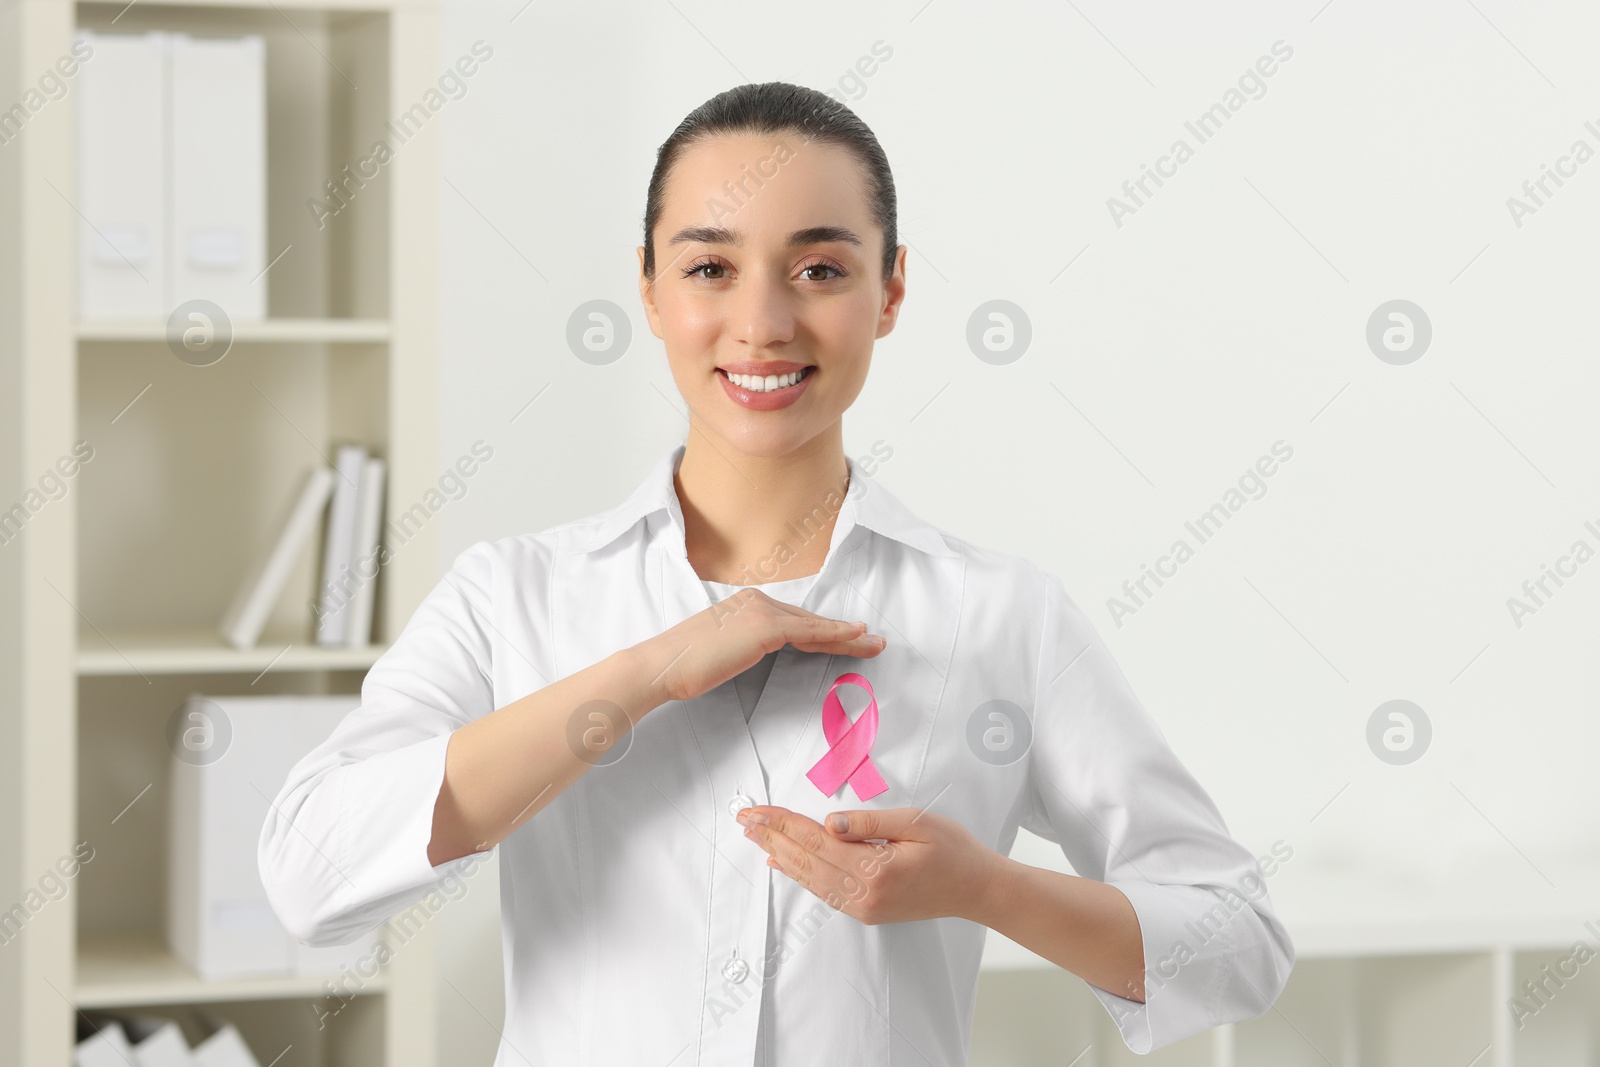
(1105, 786)
(345, 843)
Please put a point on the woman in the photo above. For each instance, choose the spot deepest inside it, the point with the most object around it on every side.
(708, 857)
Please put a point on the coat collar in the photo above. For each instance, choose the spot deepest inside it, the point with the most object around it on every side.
(867, 503)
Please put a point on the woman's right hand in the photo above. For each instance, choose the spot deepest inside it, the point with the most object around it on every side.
(731, 636)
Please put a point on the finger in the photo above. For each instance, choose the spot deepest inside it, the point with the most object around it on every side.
(864, 647)
(811, 632)
(830, 635)
(838, 889)
(809, 627)
(783, 828)
(788, 858)
(889, 824)
(808, 854)
(797, 621)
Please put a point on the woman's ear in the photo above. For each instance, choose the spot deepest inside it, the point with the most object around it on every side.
(894, 293)
(647, 297)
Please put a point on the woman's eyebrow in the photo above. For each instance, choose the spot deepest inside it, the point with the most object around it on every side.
(721, 235)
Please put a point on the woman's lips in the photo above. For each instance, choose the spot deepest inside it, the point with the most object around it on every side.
(769, 401)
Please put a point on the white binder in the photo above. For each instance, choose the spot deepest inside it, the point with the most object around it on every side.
(121, 194)
(218, 130)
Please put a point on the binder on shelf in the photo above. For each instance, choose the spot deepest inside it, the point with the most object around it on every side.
(172, 175)
(219, 921)
(242, 624)
(218, 136)
(338, 583)
(122, 169)
(365, 566)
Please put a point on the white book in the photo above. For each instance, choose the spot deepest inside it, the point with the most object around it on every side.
(217, 122)
(364, 567)
(122, 170)
(242, 624)
(109, 1047)
(337, 588)
(224, 1048)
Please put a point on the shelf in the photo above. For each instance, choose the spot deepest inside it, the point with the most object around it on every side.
(119, 652)
(266, 331)
(253, 5)
(128, 969)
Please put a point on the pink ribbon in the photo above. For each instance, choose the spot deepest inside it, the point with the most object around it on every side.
(849, 745)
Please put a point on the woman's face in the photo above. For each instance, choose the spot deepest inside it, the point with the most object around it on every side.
(742, 287)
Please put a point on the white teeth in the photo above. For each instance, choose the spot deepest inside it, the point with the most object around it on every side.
(765, 385)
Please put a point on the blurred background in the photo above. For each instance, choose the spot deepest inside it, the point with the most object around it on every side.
(1261, 325)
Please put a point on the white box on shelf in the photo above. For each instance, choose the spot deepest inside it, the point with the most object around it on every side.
(107, 1047)
(224, 1047)
(157, 1042)
(218, 129)
(231, 755)
(122, 172)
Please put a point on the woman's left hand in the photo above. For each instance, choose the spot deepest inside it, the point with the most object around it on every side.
(928, 866)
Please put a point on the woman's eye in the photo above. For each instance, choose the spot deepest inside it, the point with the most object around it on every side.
(698, 267)
(823, 266)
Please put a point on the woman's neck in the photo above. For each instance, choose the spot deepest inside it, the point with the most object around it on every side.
(756, 519)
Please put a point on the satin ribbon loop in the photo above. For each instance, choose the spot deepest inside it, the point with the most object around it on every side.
(849, 744)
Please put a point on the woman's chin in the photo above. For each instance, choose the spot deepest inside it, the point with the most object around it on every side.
(759, 436)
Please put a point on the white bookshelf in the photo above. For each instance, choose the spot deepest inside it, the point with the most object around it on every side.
(110, 597)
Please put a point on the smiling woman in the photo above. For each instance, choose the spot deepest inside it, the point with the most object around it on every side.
(738, 827)
(771, 307)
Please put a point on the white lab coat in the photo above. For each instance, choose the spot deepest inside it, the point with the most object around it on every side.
(640, 926)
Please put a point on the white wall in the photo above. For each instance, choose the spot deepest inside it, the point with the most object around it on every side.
(1226, 314)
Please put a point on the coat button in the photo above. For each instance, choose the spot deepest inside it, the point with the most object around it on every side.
(735, 969)
(739, 803)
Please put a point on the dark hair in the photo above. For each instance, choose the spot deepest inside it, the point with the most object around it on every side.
(777, 107)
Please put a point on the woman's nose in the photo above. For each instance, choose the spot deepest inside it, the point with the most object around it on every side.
(764, 314)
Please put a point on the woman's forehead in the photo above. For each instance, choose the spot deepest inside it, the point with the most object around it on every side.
(765, 187)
